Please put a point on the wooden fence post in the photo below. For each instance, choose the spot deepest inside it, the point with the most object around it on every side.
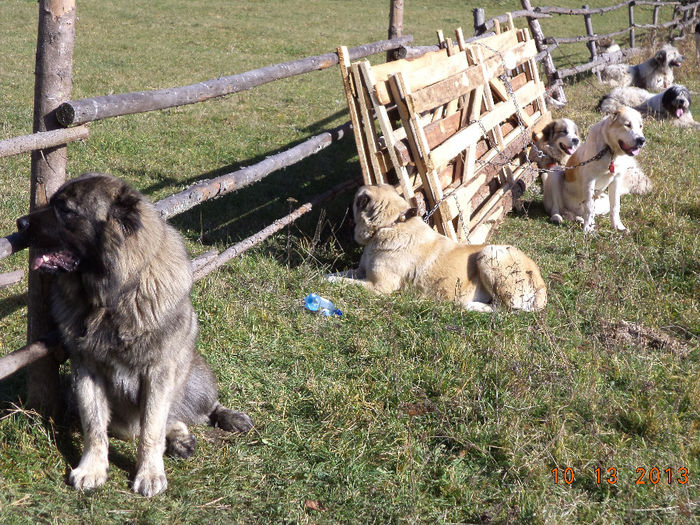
(631, 12)
(52, 87)
(548, 63)
(479, 19)
(592, 46)
(395, 26)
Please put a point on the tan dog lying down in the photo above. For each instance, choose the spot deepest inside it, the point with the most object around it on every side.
(402, 250)
(604, 162)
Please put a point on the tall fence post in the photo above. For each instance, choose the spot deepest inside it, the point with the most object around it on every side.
(395, 26)
(631, 13)
(52, 87)
(479, 21)
(592, 45)
(552, 78)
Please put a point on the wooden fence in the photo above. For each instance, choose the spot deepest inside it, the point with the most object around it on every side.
(54, 111)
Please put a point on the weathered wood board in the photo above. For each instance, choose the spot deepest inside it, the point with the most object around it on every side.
(451, 129)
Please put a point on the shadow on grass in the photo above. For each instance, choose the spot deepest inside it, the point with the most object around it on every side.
(11, 304)
(236, 216)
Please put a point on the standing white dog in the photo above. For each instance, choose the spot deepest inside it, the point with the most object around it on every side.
(600, 164)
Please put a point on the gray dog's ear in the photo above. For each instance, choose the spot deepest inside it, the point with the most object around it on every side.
(660, 57)
(125, 211)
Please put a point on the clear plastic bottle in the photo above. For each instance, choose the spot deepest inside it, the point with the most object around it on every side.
(316, 303)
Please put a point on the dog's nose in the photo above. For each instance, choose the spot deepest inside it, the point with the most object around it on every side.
(575, 141)
(640, 141)
(22, 223)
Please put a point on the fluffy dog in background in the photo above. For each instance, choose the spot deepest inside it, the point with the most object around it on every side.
(672, 104)
(600, 164)
(121, 301)
(400, 250)
(697, 40)
(555, 144)
(654, 74)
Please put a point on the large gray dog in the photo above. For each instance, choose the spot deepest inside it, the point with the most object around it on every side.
(121, 301)
(672, 104)
(654, 74)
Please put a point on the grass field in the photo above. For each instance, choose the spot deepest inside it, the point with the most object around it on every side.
(405, 409)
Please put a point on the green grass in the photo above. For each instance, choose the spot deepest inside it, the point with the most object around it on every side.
(405, 409)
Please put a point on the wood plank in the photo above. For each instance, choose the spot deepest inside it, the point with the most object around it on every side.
(383, 72)
(382, 115)
(443, 92)
(458, 142)
(367, 124)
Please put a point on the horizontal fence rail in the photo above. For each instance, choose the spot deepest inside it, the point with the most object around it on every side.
(97, 108)
(213, 188)
(42, 140)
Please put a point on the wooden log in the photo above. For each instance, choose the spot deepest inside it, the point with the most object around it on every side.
(10, 278)
(395, 26)
(631, 19)
(31, 353)
(479, 19)
(592, 45)
(597, 10)
(655, 16)
(210, 189)
(576, 39)
(97, 108)
(589, 31)
(276, 226)
(12, 244)
(548, 63)
(53, 83)
(42, 140)
(611, 58)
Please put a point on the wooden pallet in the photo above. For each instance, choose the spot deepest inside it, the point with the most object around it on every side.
(450, 129)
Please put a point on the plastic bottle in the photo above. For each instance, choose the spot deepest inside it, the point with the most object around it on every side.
(316, 303)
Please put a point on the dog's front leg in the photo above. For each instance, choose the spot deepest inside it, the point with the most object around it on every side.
(614, 196)
(554, 184)
(156, 390)
(589, 207)
(93, 407)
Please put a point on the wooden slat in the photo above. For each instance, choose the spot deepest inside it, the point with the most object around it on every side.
(444, 91)
(350, 95)
(383, 72)
(458, 142)
(380, 111)
(368, 129)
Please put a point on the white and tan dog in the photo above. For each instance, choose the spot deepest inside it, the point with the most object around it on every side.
(400, 250)
(654, 74)
(603, 162)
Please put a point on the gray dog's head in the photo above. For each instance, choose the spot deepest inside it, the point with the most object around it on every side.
(668, 56)
(84, 222)
(676, 100)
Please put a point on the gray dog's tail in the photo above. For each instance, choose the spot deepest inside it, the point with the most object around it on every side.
(230, 420)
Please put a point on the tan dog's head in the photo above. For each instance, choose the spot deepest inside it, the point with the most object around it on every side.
(376, 207)
(623, 131)
(559, 140)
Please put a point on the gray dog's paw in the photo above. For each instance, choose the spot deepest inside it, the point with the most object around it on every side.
(231, 420)
(182, 446)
